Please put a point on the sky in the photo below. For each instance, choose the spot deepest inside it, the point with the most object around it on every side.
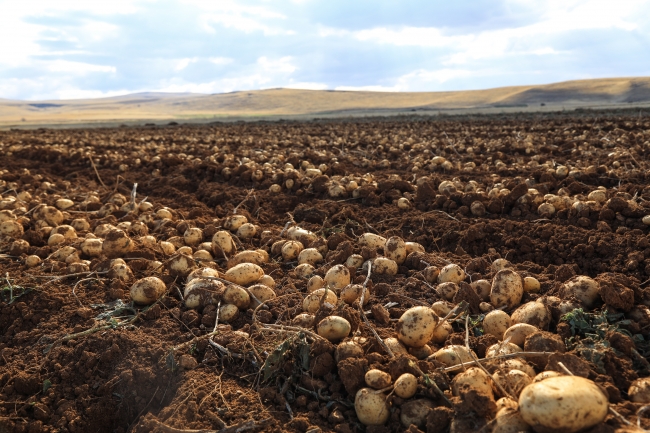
(67, 49)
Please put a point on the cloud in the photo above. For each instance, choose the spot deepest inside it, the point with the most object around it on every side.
(306, 86)
(77, 67)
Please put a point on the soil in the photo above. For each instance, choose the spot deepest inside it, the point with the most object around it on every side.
(127, 379)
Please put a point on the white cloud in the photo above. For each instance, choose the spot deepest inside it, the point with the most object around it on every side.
(238, 16)
(306, 86)
(368, 88)
(77, 67)
(282, 65)
(221, 60)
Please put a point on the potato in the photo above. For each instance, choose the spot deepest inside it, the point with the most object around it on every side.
(453, 355)
(451, 273)
(334, 328)
(52, 215)
(304, 271)
(502, 349)
(222, 243)
(67, 231)
(501, 264)
(474, 378)
(312, 302)
(415, 412)
(354, 261)
(184, 250)
(447, 290)
(406, 386)
(246, 231)
(412, 247)
(442, 308)
(421, 352)
(257, 257)
(304, 320)
(507, 403)
(55, 239)
(147, 290)
(564, 404)
(482, 288)
(32, 261)
(371, 240)
(121, 271)
(244, 273)
(11, 228)
(384, 266)
(495, 323)
(337, 277)
(533, 313)
(181, 265)
(352, 292)
(116, 244)
(507, 289)
(514, 381)
(395, 346)
(348, 349)
(584, 289)
(276, 248)
(200, 292)
(416, 326)
(62, 253)
(167, 248)
(639, 391)
(291, 250)
(441, 332)
(228, 313)
(531, 285)
(80, 225)
(310, 256)
(316, 282)
(545, 375)
(6, 215)
(430, 274)
(233, 222)
(193, 236)
(261, 292)
(371, 407)
(237, 296)
(377, 379)
(509, 420)
(202, 272)
(395, 249)
(518, 332)
(202, 256)
(267, 280)
(305, 237)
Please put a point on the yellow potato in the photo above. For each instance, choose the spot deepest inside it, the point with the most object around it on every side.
(507, 289)
(384, 266)
(193, 236)
(514, 381)
(371, 407)
(372, 240)
(395, 249)
(237, 296)
(348, 349)
(496, 322)
(310, 256)
(416, 326)
(337, 277)
(377, 379)
(406, 385)
(472, 378)
(312, 302)
(228, 313)
(244, 273)
(451, 273)
(147, 290)
(333, 328)
(395, 346)
(257, 257)
(533, 313)
(116, 244)
(453, 355)
(261, 292)
(584, 289)
(518, 332)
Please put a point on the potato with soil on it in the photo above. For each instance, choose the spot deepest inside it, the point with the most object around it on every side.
(384, 266)
(406, 385)
(472, 378)
(222, 243)
(453, 355)
(244, 273)
(496, 323)
(200, 292)
(352, 292)
(371, 407)
(312, 302)
(395, 249)
(262, 293)
(451, 273)
(513, 381)
(517, 333)
(257, 257)
(147, 290)
(116, 244)
(584, 289)
(639, 391)
(532, 313)
(507, 289)
(482, 288)
(447, 290)
(416, 326)
(334, 328)
(372, 240)
(565, 404)
(377, 379)
(337, 277)
(509, 420)
(291, 250)
(348, 349)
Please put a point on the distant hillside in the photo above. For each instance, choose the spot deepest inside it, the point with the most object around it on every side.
(156, 106)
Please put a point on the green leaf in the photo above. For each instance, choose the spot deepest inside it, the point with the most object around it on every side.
(46, 385)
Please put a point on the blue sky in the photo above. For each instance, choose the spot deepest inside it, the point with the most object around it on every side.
(63, 49)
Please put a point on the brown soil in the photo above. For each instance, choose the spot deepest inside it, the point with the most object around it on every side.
(125, 379)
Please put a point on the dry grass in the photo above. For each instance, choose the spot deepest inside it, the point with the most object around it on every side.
(289, 102)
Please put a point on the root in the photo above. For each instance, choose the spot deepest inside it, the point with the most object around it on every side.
(242, 426)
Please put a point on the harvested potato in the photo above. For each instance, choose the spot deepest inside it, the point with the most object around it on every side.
(310, 256)
(441, 332)
(372, 240)
(533, 313)
(639, 391)
(347, 349)
(222, 244)
(509, 420)
(11, 228)
(200, 292)
(584, 289)
(202, 272)
(233, 222)
(354, 261)
(501, 264)
(193, 236)
(290, 250)
(377, 379)
(507, 289)
(395, 249)
(421, 352)
(304, 320)
(181, 265)
(237, 296)
(406, 385)
(267, 280)
(507, 402)
(228, 313)
(116, 244)
(337, 277)
(67, 231)
(147, 290)
(502, 349)
(472, 378)
(304, 271)
(496, 323)
(261, 292)
(482, 289)
(62, 253)
(316, 282)
(244, 273)
(202, 256)
(531, 285)
(430, 274)
(333, 328)
(257, 257)
(415, 412)
(352, 292)
(167, 248)
(451, 273)
(447, 290)
(518, 332)
(442, 308)
(246, 231)
(55, 239)
(32, 261)
(545, 375)
(384, 266)
(395, 346)
(416, 326)
(412, 247)
(565, 404)
(513, 381)
(453, 355)
(371, 407)
(304, 236)
(312, 302)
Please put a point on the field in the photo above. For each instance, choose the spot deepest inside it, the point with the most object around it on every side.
(556, 198)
